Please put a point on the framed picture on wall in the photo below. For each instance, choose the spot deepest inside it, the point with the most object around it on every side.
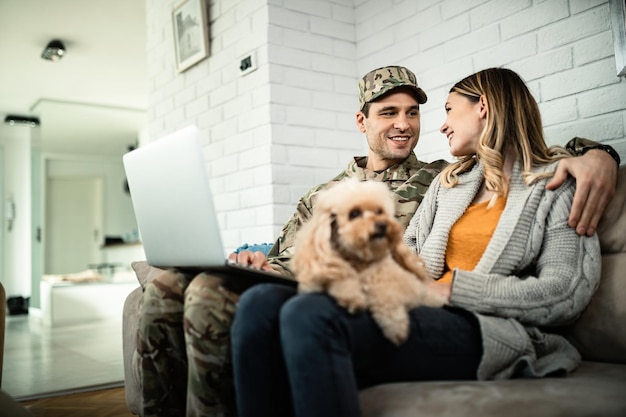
(191, 34)
(618, 22)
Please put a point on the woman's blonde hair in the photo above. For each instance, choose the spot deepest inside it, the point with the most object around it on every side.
(513, 125)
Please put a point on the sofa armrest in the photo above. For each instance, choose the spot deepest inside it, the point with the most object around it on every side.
(132, 379)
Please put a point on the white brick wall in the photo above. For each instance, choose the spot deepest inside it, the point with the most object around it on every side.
(313, 93)
(231, 111)
(271, 135)
(562, 48)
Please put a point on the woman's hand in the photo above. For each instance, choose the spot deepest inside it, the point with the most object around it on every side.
(441, 288)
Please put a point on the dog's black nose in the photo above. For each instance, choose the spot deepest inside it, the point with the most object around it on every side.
(380, 229)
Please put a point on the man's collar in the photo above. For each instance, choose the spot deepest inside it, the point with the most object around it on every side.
(401, 171)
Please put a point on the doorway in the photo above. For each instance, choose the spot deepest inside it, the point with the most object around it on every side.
(73, 223)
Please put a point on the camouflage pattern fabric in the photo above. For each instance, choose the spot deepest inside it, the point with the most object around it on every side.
(161, 345)
(407, 181)
(209, 314)
(380, 81)
(578, 146)
(184, 326)
(184, 346)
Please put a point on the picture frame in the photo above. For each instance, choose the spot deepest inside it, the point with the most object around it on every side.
(191, 34)
(617, 10)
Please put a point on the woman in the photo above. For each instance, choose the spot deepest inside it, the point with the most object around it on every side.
(496, 241)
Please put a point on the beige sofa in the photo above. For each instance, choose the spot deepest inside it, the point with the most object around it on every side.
(596, 389)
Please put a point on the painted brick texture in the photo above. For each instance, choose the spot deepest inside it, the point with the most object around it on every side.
(272, 134)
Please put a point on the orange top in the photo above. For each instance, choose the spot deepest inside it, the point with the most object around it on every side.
(470, 236)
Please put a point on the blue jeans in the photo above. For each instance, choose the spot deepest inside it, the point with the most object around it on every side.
(303, 355)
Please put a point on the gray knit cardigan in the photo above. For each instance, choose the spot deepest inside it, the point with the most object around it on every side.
(536, 273)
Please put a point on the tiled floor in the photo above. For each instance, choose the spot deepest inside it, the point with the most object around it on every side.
(40, 360)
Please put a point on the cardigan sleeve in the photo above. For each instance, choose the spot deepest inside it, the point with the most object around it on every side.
(564, 275)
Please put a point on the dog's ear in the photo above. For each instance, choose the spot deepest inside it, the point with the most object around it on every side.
(313, 245)
(321, 239)
(315, 261)
(403, 255)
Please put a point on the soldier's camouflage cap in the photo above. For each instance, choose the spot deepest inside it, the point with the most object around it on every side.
(382, 80)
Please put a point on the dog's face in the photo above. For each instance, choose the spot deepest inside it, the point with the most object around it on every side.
(363, 228)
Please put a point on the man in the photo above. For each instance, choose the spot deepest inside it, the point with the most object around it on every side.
(189, 365)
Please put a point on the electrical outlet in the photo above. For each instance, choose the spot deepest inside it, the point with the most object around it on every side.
(247, 63)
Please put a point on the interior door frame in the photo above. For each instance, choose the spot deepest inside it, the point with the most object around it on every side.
(47, 160)
(74, 221)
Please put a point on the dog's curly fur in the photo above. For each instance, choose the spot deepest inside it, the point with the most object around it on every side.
(352, 248)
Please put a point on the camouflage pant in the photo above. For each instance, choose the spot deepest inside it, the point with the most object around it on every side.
(183, 343)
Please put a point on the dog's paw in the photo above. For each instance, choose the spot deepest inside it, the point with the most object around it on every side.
(430, 298)
(394, 323)
(353, 303)
(349, 294)
(396, 334)
(304, 287)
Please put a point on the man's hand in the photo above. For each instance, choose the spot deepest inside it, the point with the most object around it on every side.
(596, 178)
(256, 260)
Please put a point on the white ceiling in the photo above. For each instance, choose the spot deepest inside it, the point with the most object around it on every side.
(94, 99)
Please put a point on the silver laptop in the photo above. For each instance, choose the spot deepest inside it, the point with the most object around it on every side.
(173, 204)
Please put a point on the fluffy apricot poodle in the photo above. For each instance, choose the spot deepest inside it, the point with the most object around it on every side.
(352, 248)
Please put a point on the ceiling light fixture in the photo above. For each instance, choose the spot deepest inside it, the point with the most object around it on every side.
(21, 120)
(54, 51)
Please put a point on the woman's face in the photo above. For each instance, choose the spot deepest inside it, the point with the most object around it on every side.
(464, 123)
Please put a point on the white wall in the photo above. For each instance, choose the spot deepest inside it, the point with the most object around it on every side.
(16, 267)
(117, 219)
(118, 215)
(563, 49)
(18, 251)
(271, 135)
(313, 67)
(231, 111)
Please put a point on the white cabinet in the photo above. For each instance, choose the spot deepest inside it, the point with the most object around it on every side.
(65, 303)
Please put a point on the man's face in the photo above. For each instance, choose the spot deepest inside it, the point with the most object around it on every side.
(392, 129)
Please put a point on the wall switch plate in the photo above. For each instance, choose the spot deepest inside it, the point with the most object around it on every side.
(247, 63)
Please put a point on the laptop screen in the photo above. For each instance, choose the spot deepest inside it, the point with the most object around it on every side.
(172, 200)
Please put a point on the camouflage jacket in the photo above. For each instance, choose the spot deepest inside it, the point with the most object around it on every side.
(408, 182)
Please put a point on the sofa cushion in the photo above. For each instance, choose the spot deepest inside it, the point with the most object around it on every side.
(594, 389)
(132, 378)
(612, 227)
(600, 333)
(145, 273)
